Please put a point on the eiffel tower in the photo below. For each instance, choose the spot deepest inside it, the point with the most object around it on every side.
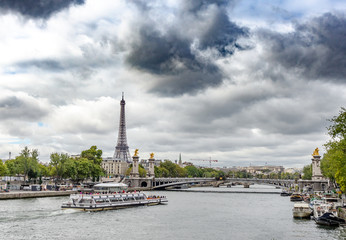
(122, 149)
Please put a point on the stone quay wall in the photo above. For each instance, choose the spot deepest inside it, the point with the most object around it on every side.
(30, 194)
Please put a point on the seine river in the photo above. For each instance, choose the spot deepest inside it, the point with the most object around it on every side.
(188, 215)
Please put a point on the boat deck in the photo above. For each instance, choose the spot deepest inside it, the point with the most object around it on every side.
(99, 202)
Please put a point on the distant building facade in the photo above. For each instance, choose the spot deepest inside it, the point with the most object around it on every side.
(264, 169)
(114, 167)
(145, 163)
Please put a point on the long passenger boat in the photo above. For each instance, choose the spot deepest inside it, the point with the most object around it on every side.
(100, 202)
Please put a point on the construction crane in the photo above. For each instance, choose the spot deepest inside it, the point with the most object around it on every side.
(207, 160)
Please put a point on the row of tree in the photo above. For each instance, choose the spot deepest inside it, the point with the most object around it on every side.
(333, 164)
(61, 165)
(170, 169)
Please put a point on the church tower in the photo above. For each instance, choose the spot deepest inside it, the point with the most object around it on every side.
(122, 149)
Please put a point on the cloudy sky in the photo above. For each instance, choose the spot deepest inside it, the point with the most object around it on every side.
(243, 82)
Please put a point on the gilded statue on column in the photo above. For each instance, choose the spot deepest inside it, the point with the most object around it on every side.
(136, 153)
(151, 155)
(315, 153)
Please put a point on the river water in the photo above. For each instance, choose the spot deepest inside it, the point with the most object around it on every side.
(188, 215)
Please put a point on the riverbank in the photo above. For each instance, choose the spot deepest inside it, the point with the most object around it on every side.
(35, 194)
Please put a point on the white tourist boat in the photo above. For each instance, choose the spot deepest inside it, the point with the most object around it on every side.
(111, 195)
(108, 201)
(301, 210)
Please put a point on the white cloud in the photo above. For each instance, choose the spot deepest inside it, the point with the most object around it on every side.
(61, 83)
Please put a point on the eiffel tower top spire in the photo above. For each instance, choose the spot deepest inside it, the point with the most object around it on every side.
(122, 149)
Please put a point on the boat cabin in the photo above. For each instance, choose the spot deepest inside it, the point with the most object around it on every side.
(110, 187)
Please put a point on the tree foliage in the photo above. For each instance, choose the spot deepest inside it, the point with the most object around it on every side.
(169, 169)
(61, 165)
(337, 129)
(13, 167)
(141, 171)
(333, 164)
(27, 162)
(3, 169)
(58, 161)
(193, 171)
(94, 155)
(307, 171)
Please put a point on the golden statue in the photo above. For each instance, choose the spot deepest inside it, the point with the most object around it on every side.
(151, 155)
(315, 153)
(136, 153)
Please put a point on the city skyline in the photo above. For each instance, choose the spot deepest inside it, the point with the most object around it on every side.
(241, 82)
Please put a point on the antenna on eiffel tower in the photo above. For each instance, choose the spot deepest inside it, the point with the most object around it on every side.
(122, 149)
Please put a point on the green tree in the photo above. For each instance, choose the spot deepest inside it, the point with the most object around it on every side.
(95, 156)
(28, 161)
(161, 172)
(307, 171)
(32, 174)
(173, 169)
(43, 170)
(13, 167)
(333, 164)
(192, 171)
(84, 168)
(71, 170)
(337, 129)
(141, 170)
(3, 169)
(58, 161)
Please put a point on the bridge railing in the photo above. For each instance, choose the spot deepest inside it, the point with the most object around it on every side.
(182, 179)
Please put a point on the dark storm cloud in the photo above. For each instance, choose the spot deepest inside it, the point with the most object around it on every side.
(37, 8)
(14, 107)
(174, 55)
(316, 48)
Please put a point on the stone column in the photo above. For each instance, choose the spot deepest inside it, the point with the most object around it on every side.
(151, 171)
(135, 172)
(316, 168)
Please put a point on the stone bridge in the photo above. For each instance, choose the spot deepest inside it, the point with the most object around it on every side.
(277, 182)
(162, 183)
